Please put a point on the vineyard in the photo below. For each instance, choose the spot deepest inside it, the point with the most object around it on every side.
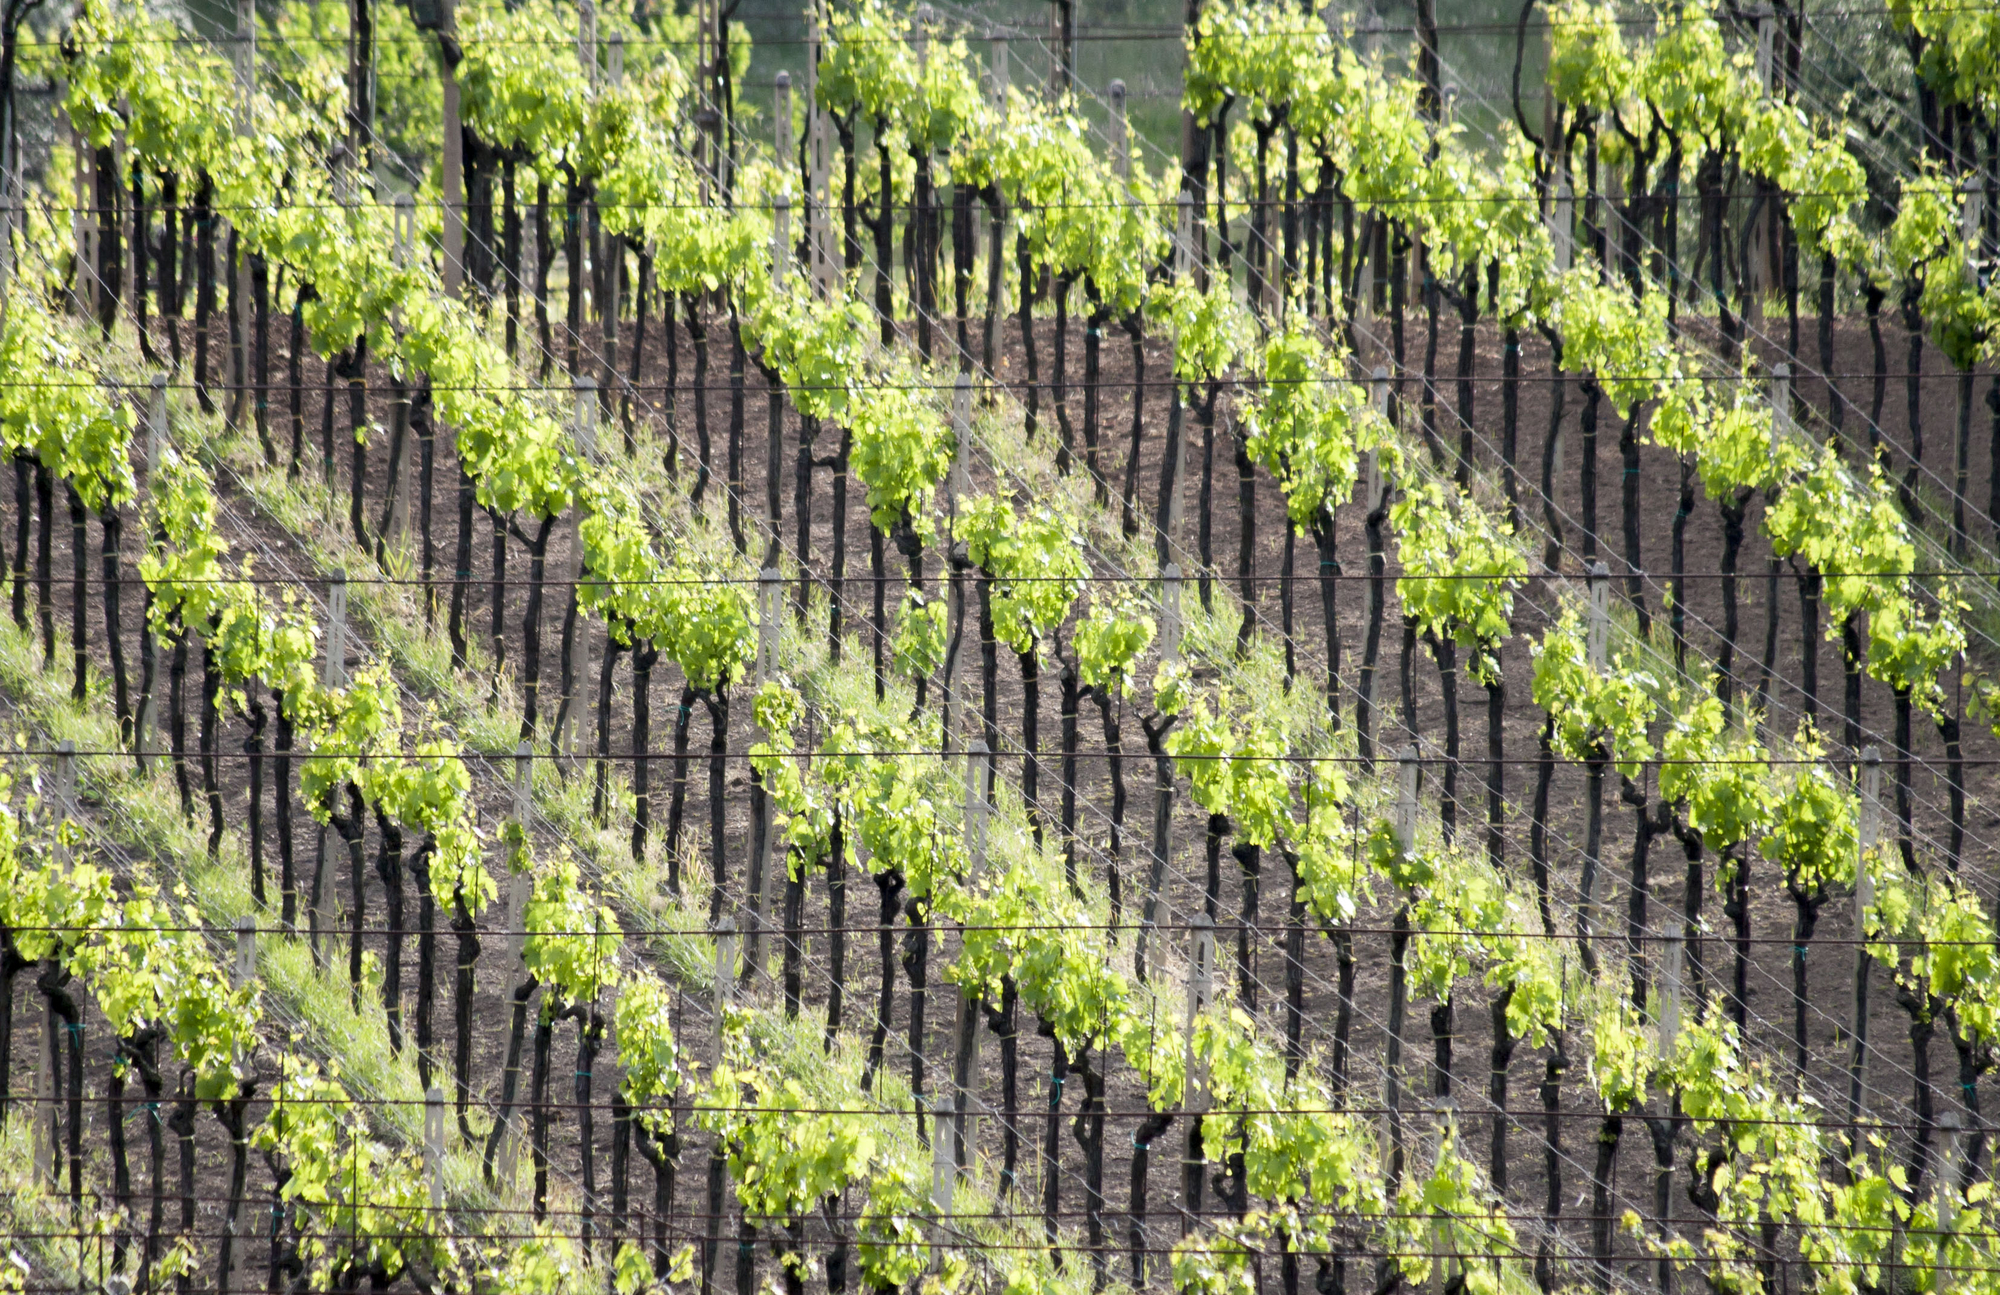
(622, 673)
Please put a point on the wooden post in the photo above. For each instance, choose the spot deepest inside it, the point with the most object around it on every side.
(1781, 398)
(1170, 613)
(333, 670)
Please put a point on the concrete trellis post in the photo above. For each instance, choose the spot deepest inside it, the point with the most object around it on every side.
(1767, 31)
(434, 1144)
(1195, 1093)
(524, 783)
(519, 881)
(1146, 949)
(781, 241)
(333, 669)
(1170, 612)
(145, 737)
(823, 256)
(1672, 957)
(64, 794)
(1374, 483)
(1445, 1112)
(156, 427)
(246, 951)
(968, 1027)
(759, 870)
(781, 119)
(1407, 772)
(614, 275)
(1000, 68)
(1121, 133)
(1562, 216)
(1200, 992)
(574, 725)
(48, 1061)
(1867, 836)
(961, 434)
(520, 885)
(1176, 484)
(725, 981)
(1944, 1200)
(1781, 397)
(1598, 633)
(1969, 216)
(245, 53)
(959, 485)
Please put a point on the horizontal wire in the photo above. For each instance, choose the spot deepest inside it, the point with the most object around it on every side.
(476, 581)
(1020, 208)
(696, 757)
(599, 1211)
(1085, 32)
(781, 934)
(1440, 382)
(688, 1108)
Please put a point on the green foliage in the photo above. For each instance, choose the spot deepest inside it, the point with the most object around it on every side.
(355, 1202)
(1597, 715)
(1720, 771)
(1109, 642)
(919, 646)
(1036, 562)
(1461, 564)
(79, 431)
(649, 1057)
(902, 446)
(1812, 830)
(572, 942)
(1306, 425)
